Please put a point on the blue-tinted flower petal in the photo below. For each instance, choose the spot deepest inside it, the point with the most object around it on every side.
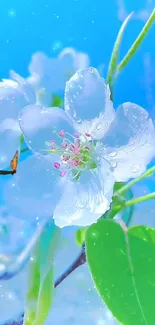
(14, 95)
(9, 143)
(85, 200)
(49, 75)
(87, 102)
(129, 144)
(74, 60)
(35, 190)
(24, 87)
(41, 125)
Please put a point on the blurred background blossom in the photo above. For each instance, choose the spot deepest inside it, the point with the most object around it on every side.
(48, 76)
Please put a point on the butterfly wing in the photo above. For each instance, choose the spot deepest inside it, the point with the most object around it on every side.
(14, 162)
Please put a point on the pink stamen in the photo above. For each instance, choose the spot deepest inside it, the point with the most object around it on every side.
(72, 147)
(57, 165)
(52, 149)
(77, 144)
(70, 162)
(66, 158)
(76, 135)
(52, 143)
(88, 134)
(62, 133)
(64, 146)
(63, 173)
(76, 151)
(87, 148)
(75, 162)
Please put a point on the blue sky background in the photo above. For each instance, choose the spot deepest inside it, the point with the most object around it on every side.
(90, 26)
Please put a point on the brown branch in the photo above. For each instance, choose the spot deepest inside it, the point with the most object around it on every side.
(80, 260)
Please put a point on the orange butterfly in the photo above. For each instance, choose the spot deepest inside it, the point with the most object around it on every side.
(13, 165)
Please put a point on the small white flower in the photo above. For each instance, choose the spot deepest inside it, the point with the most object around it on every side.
(14, 95)
(79, 153)
(48, 76)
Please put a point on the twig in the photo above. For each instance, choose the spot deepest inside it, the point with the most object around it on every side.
(80, 260)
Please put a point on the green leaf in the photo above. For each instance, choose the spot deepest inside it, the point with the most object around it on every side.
(21, 140)
(133, 49)
(122, 265)
(33, 286)
(41, 279)
(80, 236)
(57, 101)
(115, 52)
(45, 298)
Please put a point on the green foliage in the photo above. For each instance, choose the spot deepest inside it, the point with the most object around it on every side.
(57, 101)
(122, 265)
(21, 141)
(41, 279)
(114, 57)
(80, 236)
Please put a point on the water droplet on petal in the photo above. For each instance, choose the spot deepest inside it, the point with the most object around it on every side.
(78, 120)
(136, 168)
(112, 154)
(99, 127)
(114, 164)
(81, 205)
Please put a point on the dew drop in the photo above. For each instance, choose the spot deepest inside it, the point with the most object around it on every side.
(94, 234)
(114, 164)
(136, 168)
(112, 154)
(81, 205)
(78, 120)
(99, 127)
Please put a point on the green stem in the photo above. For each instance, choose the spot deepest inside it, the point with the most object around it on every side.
(137, 43)
(114, 55)
(126, 187)
(150, 196)
(24, 150)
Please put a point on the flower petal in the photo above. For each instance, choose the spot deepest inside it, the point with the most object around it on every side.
(14, 95)
(9, 143)
(129, 144)
(49, 75)
(85, 200)
(35, 190)
(79, 60)
(24, 87)
(87, 102)
(41, 125)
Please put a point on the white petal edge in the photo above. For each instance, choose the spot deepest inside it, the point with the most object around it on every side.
(86, 200)
(40, 125)
(88, 103)
(129, 144)
(35, 190)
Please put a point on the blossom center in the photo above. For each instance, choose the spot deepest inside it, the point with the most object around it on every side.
(76, 153)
